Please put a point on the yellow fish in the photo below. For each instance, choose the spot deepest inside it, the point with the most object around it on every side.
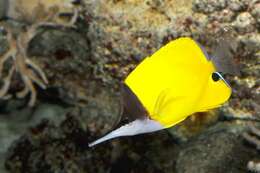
(165, 88)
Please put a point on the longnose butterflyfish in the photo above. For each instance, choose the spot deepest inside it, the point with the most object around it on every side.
(178, 80)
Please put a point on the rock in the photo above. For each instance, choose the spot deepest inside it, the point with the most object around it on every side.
(64, 55)
(122, 40)
(3, 42)
(28, 11)
(251, 42)
(50, 149)
(244, 23)
(47, 147)
(62, 49)
(3, 7)
(193, 125)
(84, 66)
(222, 16)
(237, 5)
(256, 13)
(219, 149)
(208, 6)
(15, 122)
(46, 121)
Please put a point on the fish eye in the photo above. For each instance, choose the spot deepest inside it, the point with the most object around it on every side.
(215, 76)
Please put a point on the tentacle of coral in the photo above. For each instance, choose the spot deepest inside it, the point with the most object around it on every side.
(38, 70)
(253, 166)
(255, 131)
(7, 82)
(251, 138)
(28, 83)
(6, 56)
(35, 79)
(48, 21)
(74, 18)
(27, 76)
(9, 54)
(29, 71)
(23, 93)
(7, 97)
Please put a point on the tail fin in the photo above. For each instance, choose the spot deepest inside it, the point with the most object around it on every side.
(138, 126)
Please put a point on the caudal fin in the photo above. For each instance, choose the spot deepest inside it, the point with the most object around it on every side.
(138, 126)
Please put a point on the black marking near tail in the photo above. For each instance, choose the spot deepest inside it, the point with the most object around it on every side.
(131, 108)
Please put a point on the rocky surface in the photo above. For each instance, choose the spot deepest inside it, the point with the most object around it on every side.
(218, 149)
(64, 148)
(84, 65)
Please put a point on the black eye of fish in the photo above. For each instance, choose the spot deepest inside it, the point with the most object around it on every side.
(215, 76)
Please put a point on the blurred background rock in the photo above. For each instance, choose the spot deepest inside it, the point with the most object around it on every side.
(85, 63)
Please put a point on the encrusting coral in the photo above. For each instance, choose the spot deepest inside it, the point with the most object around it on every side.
(30, 73)
(253, 137)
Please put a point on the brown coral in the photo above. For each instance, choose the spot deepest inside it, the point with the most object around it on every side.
(253, 137)
(29, 72)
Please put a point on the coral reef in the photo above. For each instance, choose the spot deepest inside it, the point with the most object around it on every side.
(29, 72)
(241, 18)
(84, 64)
(51, 149)
(218, 149)
(22, 65)
(253, 138)
(47, 147)
(32, 12)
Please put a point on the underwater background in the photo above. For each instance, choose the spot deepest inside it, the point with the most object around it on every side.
(61, 64)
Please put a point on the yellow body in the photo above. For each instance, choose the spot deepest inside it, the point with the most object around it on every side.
(176, 81)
